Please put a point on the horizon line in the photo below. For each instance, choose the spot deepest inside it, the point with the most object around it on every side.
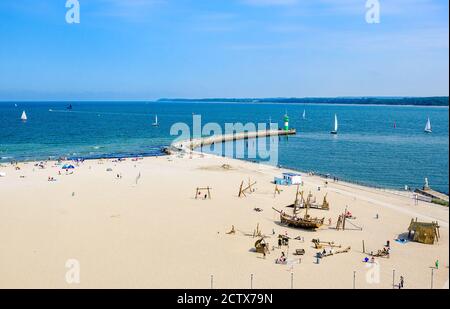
(224, 98)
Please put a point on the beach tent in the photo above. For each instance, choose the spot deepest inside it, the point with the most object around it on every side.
(68, 166)
(423, 232)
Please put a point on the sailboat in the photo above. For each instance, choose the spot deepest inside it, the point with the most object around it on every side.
(70, 107)
(336, 125)
(156, 124)
(24, 116)
(304, 114)
(428, 126)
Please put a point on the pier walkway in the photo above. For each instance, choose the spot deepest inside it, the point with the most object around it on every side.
(189, 145)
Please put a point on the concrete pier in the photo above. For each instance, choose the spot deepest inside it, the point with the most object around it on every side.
(189, 145)
(433, 194)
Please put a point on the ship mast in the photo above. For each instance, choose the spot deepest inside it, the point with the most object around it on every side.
(307, 207)
(296, 202)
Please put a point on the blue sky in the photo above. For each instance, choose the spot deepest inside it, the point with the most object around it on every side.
(147, 49)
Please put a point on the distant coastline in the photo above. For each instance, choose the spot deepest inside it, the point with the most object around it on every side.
(412, 101)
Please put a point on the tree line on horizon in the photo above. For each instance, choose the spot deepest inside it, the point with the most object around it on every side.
(419, 101)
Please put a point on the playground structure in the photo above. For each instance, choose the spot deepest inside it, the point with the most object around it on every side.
(247, 189)
(205, 192)
(325, 204)
(306, 221)
(343, 219)
(257, 232)
(277, 191)
(261, 246)
(318, 244)
(332, 252)
(310, 202)
(424, 232)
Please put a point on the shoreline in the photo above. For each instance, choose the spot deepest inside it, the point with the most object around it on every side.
(163, 154)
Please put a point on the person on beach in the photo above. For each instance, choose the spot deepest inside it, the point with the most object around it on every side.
(436, 264)
(402, 282)
(282, 259)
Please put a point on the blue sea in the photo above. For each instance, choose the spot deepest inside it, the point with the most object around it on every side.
(381, 146)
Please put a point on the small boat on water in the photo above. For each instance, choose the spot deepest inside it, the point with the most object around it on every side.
(304, 114)
(156, 124)
(24, 116)
(70, 107)
(428, 126)
(336, 125)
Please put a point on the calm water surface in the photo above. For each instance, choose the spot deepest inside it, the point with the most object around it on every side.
(368, 149)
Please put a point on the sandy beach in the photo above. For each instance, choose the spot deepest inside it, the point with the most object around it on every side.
(153, 233)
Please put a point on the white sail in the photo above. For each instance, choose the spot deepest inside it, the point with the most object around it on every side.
(304, 114)
(156, 121)
(428, 126)
(336, 124)
(24, 116)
